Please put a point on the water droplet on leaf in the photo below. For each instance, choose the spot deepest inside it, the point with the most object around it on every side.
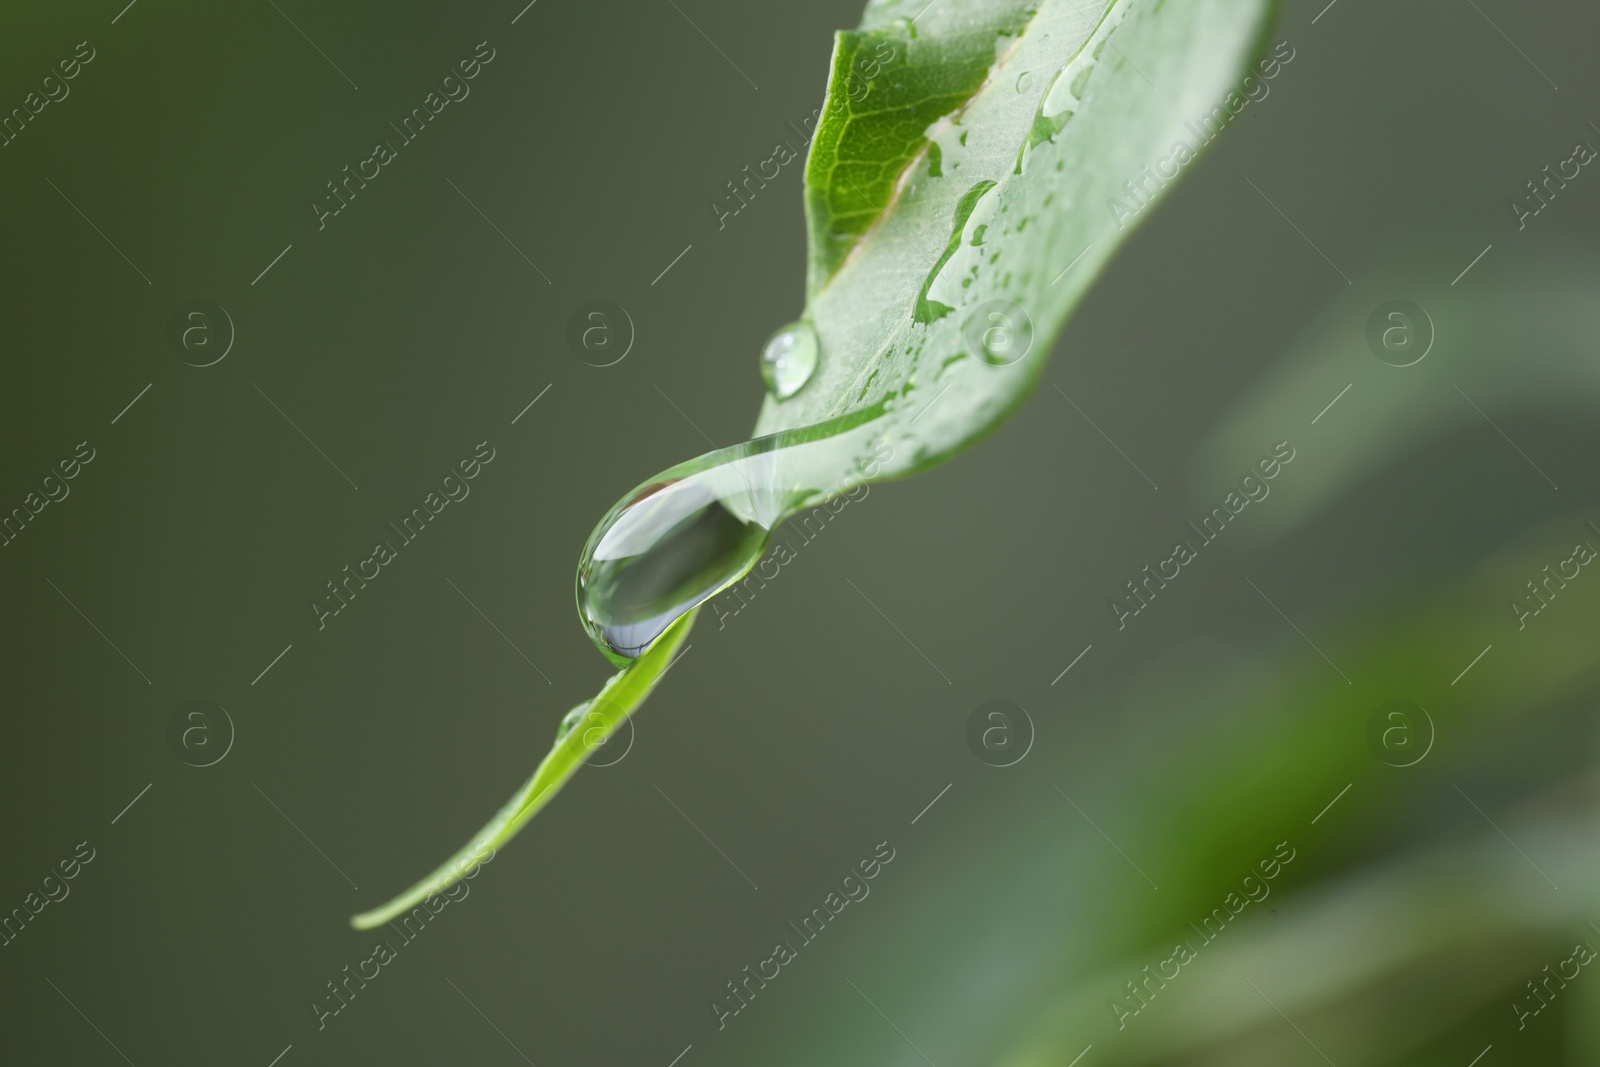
(1065, 93)
(571, 719)
(695, 529)
(975, 212)
(789, 358)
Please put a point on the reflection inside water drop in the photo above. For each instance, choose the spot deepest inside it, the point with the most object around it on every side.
(681, 538)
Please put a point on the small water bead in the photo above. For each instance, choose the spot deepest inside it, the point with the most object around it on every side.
(789, 359)
(571, 719)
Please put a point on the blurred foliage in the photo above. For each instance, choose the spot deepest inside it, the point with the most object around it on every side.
(1421, 903)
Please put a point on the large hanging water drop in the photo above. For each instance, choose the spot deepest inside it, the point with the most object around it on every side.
(665, 548)
(695, 529)
(789, 358)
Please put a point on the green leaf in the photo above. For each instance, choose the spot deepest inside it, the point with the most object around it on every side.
(585, 728)
(991, 221)
(1242, 750)
(962, 192)
(887, 85)
(1544, 313)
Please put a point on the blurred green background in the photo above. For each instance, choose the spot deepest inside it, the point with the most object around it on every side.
(378, 352)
